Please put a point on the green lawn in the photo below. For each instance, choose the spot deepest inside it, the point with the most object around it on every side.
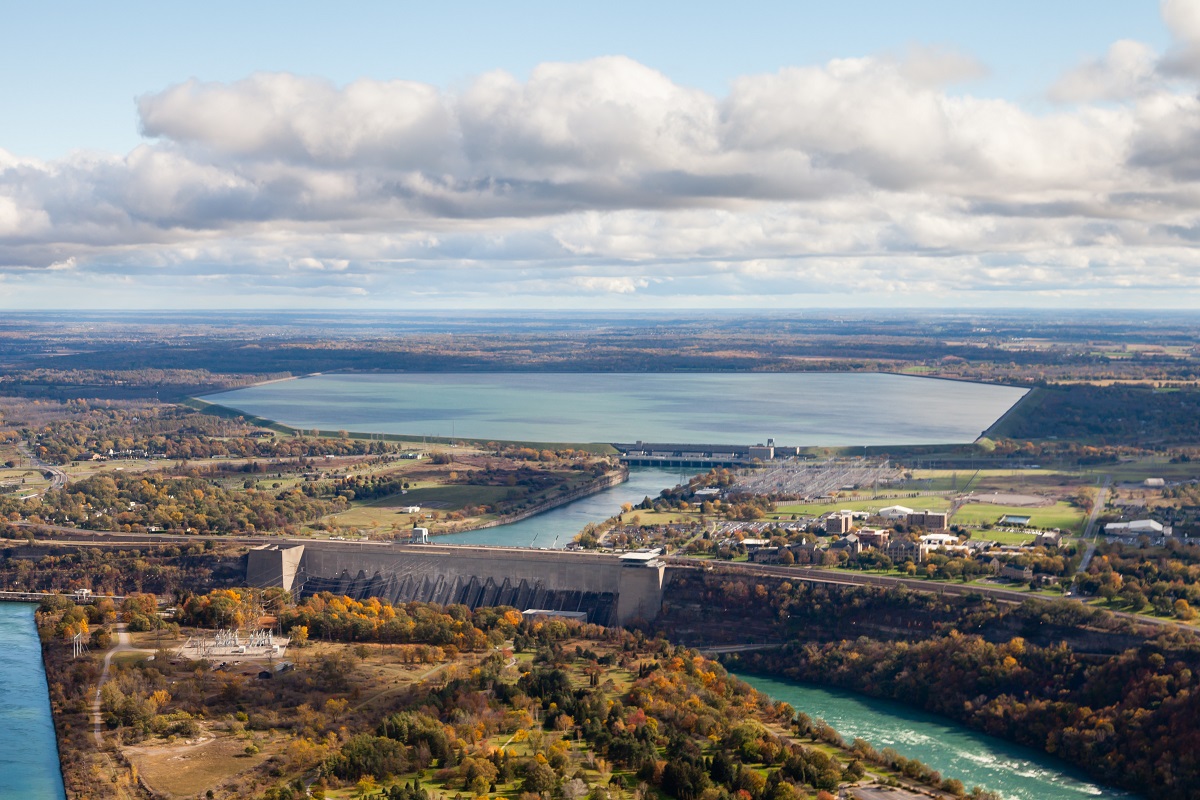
(1060, 515)
(932, 502)
(1003, 537)
(1152, 467)
(448, 497)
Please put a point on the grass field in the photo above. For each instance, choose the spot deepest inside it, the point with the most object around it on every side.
(932, 502)
(1151, 467)
(1060, 515)
(1004, 537)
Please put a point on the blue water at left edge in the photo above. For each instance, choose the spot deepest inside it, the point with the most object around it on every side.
(29, 764)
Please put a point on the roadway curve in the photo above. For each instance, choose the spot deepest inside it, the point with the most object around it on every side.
(58, 478)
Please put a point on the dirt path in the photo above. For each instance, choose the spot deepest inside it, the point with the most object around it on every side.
(123, 645)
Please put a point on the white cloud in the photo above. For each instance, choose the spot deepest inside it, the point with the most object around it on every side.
(1127, 70)
(940, 66)
(1183, 20)
(605, 177)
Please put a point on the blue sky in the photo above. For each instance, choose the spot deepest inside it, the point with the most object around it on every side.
(619, 154)
(69, 72)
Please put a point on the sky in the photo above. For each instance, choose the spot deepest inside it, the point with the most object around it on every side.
(618, 155)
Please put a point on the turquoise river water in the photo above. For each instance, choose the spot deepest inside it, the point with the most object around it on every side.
(28, 750)
(1017, 773)
(806, 409)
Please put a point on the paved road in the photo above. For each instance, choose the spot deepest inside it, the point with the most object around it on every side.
(1089, 532)
(58, 478)
(838, 578)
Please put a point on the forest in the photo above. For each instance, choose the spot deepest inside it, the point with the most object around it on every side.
(543, 708)
(1114, 699)
(156, 502)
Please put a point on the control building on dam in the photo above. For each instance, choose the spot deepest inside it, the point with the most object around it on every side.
(609, 589)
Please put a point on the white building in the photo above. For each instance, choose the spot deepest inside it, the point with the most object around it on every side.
(1139, 527)
(939, 539)
(895, 512)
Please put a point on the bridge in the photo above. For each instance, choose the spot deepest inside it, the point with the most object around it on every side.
(77, 597)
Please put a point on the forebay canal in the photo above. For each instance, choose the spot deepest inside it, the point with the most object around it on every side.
(28, 750)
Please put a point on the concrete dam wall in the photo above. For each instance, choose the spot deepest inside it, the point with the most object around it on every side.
(608, 590)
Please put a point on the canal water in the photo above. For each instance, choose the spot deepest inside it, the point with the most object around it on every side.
(556, 528)
(1017, 773)
(28, 750)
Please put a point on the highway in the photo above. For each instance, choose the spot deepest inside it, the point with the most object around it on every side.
(75, 536)
(58, 478)
(839, 578)
(1089, 532)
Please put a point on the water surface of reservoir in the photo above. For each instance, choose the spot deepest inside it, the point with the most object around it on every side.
(798, 408)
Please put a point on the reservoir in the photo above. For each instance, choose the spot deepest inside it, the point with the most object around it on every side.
(797, 408)
(1015, 772)
(557, 527)
(28, 749)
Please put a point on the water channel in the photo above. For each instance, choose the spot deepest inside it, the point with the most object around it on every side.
(1017, 773)
(29, 755)
(556, 528)
(28, 750)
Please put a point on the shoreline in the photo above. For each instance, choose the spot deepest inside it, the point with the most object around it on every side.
(607, 481)
(281, 427)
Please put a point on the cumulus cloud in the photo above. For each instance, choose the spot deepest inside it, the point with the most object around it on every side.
(606, 177)
(1183, 20)
(940, 66)
(1127, 70)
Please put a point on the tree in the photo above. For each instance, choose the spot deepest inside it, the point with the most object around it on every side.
(539, 778)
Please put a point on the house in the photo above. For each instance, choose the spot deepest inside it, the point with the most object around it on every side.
(874, 537)
(900, 551)
(1016, 573)
(929, 520)
(838, 524)
(939, 539)
(1139, 527)
(1048, 539)
(807, 552)
(765, 555)
(895, 512)
(409, 510)
(419, 536)
(851, 544)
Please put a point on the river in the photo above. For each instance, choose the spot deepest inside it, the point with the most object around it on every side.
(1017, 773)
(28, 750)
(557, 527)
(801, 409)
